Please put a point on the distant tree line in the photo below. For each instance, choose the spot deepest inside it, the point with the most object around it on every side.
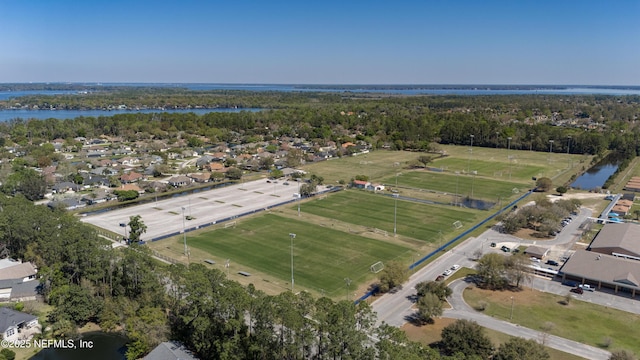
(516, 121)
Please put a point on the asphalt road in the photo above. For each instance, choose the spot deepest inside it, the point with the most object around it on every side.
(206, 207)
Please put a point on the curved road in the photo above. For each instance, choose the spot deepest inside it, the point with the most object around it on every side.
(461, 310)
(396, 308)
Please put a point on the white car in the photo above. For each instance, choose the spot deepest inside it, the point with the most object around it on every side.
(455, 267)
(447, 272)
(587, 287)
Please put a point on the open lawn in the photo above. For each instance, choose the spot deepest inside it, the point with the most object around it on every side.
(323, 257)
(375, 165)
(429, 334)
(580, 321)
(491, 168)
(424, 222)
(482, 188)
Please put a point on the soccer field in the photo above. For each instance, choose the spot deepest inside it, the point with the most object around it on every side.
(463, 185)
(424, 222)
(323, 257)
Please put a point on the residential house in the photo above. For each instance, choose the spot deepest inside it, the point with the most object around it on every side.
(170, 350)
(179, 181)
(215, 166)
(14, 325)
(130, 177)
(17, 280)
(98, 197)
(129, 161)
(200, 177)
(203, 161)
(129, 187)
(68, 203)
(66, 186)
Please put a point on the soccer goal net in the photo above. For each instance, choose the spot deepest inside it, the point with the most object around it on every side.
(377, 267)
(457, 224)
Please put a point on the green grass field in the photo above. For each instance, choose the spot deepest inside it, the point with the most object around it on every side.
(483, 188)
(580, 320)
(323, 257)
(416, 220)
(491, 169)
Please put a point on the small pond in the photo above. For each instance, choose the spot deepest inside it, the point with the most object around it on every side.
(105, 347)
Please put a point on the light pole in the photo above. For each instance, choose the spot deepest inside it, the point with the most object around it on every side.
(531, 142)
(509, 156)
(395, 208)
(292, 236)
(470, 153)
(550, 149)
(184, 234)
(511, 316)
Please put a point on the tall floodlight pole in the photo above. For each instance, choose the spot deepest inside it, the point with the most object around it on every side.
(509, 156)
(470, 153)
(475, 172)
(184, 233)
(550, 148)
(292, 236)
(395, 209)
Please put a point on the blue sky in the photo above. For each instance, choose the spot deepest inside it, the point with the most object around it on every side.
(321, 42)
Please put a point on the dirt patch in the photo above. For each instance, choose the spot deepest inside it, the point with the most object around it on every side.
(427, 334)
(527, 234)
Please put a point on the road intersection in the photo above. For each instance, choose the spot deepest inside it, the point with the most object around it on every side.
(397, 308)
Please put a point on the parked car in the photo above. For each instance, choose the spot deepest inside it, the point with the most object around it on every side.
(570, 283)
(441, 277)
(552, 262)
(587, 287)
(455, 267)
(505, 249)
(493, 244)
(577, 290)
(447, 272)
(285, 183)
(534, 259)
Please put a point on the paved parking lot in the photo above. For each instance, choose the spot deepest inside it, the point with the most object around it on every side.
(206, 207)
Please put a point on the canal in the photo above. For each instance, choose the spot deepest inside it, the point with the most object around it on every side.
(596, 176)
